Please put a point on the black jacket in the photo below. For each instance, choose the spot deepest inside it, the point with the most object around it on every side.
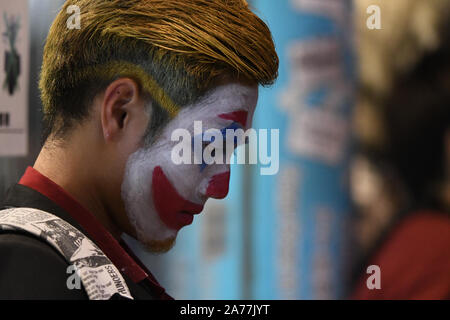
(31, 268)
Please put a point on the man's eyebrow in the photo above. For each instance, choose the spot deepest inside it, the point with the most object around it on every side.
(236, 116)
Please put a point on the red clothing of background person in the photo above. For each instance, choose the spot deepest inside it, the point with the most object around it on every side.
(414, 260)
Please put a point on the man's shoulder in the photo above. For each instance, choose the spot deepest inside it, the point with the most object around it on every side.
(32, 269)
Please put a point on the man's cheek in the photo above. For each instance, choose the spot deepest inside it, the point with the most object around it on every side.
(168, 202)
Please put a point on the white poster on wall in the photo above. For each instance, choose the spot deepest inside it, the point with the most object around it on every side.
(14, 76)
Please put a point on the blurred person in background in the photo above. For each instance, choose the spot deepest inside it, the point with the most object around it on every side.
(409, 175)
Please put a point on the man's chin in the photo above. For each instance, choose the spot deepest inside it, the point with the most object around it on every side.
(158, 246)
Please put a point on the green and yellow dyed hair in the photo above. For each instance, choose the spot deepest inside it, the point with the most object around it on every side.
(174, 50)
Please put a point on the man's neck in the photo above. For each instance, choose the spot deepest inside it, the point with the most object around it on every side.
(69, 169)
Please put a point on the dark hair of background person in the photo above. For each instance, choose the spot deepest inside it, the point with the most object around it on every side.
(416, 120)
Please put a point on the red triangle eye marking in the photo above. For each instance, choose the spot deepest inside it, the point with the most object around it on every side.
(237, 116)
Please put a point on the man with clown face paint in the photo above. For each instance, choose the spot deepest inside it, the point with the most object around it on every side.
(113, 94)
(162, 197)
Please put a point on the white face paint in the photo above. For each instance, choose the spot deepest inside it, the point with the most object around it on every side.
(156, 191)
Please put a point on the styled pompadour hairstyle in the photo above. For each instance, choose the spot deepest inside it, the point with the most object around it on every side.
(174, 49)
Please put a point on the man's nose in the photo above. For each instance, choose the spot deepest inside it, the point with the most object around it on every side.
(218, 186)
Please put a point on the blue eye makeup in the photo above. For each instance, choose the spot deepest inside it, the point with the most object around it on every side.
(207, 138)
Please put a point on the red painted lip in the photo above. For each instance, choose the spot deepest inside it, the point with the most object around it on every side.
(175, 211)
(218, 186)
(237, 116)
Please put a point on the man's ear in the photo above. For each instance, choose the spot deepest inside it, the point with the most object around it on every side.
(121, 103)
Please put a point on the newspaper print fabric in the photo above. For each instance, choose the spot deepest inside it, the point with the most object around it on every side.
(100, 278)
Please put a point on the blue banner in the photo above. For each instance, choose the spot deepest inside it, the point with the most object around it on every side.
(301, 215)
